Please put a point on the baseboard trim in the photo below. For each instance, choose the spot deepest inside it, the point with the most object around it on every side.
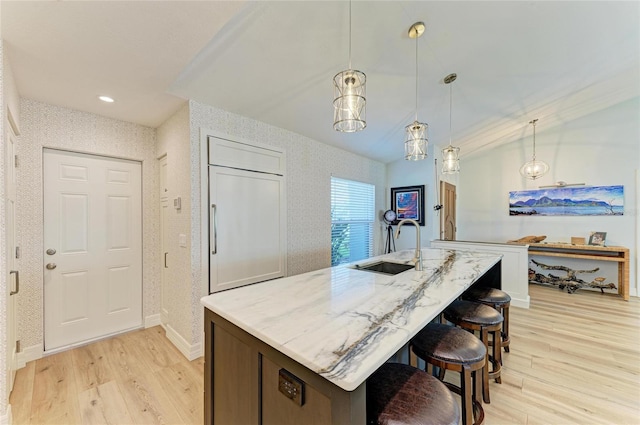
(190, 351)
(6, 419)
(29, 354)
(520, 302)
(152, 320)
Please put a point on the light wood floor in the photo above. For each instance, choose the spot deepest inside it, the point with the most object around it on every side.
(575, 359)
(135, 378)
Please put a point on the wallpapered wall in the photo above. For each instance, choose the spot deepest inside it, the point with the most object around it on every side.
(55, 127)
(3, 253)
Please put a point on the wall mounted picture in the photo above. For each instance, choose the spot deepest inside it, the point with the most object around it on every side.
(408, 202)
(572, 201)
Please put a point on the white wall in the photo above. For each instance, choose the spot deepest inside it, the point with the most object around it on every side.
(412, 173)
(55, 127)
(600, 149)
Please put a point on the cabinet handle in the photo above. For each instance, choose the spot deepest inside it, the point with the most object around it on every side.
(214, 229)
(17, 273)
(165, 260)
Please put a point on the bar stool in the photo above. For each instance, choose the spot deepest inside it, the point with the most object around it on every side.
(455, 349)
(497, 299)
(401, 394)
(486, 320)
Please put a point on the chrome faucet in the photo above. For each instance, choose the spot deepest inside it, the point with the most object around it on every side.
(418, 255)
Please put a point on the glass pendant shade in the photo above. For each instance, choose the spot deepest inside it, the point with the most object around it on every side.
(415, 146)
(534, 169)
(349, 101)
(450, 160)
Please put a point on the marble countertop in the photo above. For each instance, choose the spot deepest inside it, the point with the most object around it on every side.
(344, 323)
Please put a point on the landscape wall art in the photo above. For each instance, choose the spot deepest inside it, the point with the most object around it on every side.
(587, 200)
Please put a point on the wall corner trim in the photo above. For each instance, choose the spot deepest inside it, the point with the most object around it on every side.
(29, 354)
(190, 351)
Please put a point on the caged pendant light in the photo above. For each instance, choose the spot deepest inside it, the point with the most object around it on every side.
(416, 140)
(450, 154)
(534, 169)
(349, 97)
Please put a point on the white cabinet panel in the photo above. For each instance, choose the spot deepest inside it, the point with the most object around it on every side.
(247, 227)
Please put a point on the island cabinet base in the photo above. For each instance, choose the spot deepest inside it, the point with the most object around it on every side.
(244, 384)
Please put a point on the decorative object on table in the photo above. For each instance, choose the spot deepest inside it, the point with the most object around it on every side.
(389, 217)
(416, 141)
(528, 239)
(597, 238)
(408, 202)
(575, 240)
(534, 169)
(570, 281)
(571, 201)
(349, 97)
(450, 159)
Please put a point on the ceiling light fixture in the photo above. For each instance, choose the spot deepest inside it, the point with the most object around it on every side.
(534, 169)
(450, 154)
(106, 99)
(416, 141)
(349, 97)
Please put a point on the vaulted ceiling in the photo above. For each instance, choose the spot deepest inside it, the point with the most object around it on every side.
(274, 61)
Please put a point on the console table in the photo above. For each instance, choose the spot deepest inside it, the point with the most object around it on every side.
(618, 254)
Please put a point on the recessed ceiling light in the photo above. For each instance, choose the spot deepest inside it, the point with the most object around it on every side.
(106, 99)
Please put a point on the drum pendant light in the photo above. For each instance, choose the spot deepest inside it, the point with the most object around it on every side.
(349, 97)
(416, 138)
(450, 154)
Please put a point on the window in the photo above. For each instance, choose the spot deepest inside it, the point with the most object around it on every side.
(352, 216)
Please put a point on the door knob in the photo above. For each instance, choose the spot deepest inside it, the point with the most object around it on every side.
(51, 251)
(51, 266)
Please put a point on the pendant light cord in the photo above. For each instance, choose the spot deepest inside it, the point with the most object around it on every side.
(349, 34)
(450, 103)
(534, 138)
(417, 37)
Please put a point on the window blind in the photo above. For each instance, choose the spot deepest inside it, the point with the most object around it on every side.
(352, 217)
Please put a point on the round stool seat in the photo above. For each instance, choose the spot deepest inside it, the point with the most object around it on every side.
(487, 296)
(448, 343)
(472, 312)
(401, 394)
(457, 350)
(497, 299)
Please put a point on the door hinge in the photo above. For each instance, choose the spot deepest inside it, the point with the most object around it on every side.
(17, 252)
(18, 346)
(15, 161)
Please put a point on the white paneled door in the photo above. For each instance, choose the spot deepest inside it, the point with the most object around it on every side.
(14, 274)
(92, 247)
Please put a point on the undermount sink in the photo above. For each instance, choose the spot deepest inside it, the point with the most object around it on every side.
(384, 267)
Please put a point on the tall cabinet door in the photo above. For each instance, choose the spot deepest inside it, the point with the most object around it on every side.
(247, 239)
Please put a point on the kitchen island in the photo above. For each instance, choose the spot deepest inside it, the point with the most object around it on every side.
(299, 349)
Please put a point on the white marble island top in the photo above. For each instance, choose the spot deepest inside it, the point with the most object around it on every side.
(343, 323)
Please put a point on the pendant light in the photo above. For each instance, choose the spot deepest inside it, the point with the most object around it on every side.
(416, 141)
(349, 97)
(534, 169)
(450, 159)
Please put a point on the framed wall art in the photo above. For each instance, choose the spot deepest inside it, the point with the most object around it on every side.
(408, 202)
(572, 201)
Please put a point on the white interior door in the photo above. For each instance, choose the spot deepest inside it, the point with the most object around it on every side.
(13, 279)
(93, 247)
(247, 227)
